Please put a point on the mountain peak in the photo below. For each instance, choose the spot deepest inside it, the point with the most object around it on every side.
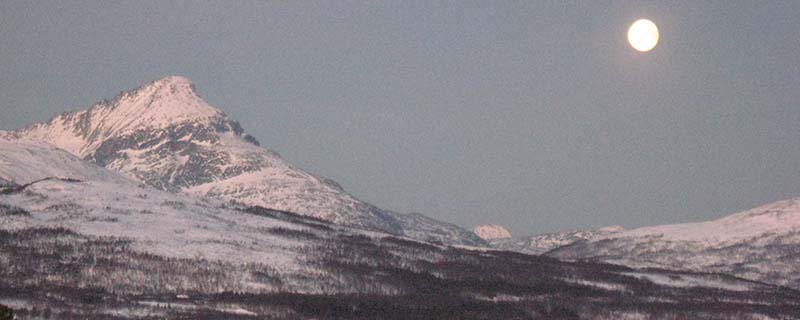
(174, 84)
(175, 79)
(177, 88)
(164, 135)
(168, 101)
(494, 231)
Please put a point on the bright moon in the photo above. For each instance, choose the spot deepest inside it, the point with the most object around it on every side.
(643, 35)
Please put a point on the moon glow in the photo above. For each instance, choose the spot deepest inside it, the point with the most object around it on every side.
(643, 35)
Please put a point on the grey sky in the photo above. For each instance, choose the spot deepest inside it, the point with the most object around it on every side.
(535, 115)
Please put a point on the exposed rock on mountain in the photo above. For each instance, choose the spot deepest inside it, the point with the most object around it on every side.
(164, 135)
(99, 245)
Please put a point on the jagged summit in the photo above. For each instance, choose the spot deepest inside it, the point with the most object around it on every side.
(175, 84)
(175, 80)
(168, 102)
(178, 86)
(164, 135)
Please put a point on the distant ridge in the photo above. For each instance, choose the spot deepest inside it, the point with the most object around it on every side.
(493, 231)
(761, 244)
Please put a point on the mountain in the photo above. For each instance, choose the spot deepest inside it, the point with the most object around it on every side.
(79, 241)
(493, 231)
(761, 244)
(22, 163)
(539, 244)
(164, 135)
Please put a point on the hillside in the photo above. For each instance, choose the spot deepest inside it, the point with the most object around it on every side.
(760, 244)
(90, 244)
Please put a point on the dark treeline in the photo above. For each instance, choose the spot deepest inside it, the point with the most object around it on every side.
(65, 275)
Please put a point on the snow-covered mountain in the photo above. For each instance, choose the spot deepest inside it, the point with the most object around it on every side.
(491, 231)
(760, 244)
(52, 188)
(148, 200)
(63, 191)
(541, 243)
(79, 241)
(164, 135)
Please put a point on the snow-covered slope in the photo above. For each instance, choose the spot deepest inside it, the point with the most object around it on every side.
(774, 218)
(492, 231)
(58, 190)
(539, 244)
(761, 244)
(79, 241)
(164, 135)
(25, 162)
(93, 201)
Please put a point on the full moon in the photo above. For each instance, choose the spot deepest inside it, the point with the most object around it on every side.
(643, 35)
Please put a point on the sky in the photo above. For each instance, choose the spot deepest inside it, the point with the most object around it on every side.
(536, 115)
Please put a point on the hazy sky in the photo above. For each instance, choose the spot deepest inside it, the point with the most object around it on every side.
(535, 115)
